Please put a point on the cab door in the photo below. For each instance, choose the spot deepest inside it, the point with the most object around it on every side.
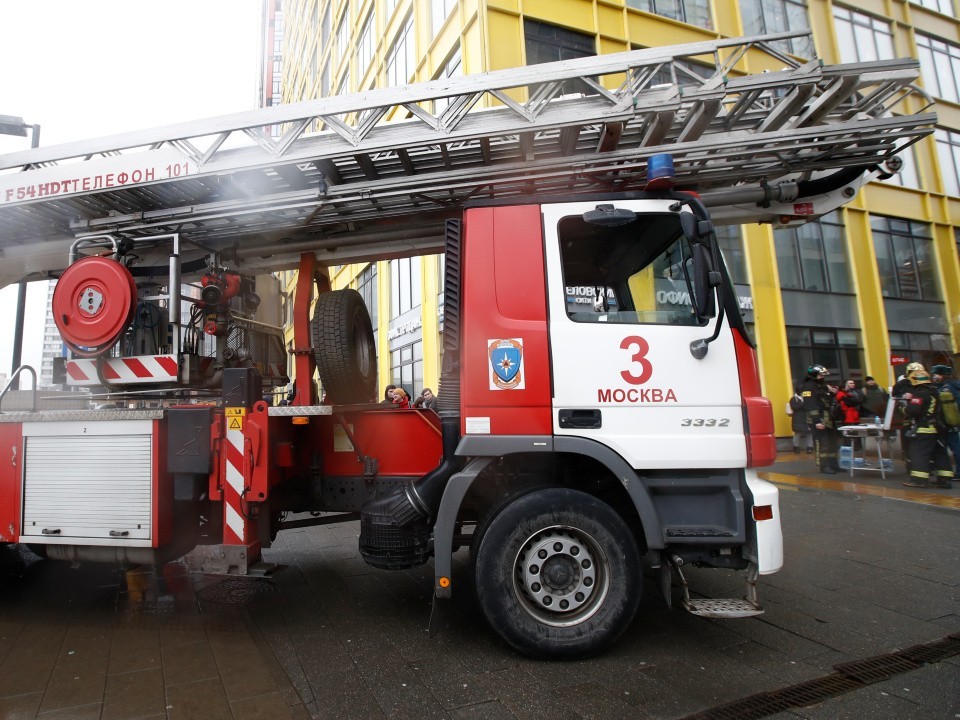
(620, 327)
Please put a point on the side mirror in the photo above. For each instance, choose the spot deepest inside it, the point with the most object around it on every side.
(689, 225)
(705, 279)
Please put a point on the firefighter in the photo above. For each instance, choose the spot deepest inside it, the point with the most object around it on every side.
(818, 405)
(927, 441)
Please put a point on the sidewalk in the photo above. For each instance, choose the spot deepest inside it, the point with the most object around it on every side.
(800, 470)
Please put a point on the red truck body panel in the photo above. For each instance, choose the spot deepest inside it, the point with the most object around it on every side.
(504, 298)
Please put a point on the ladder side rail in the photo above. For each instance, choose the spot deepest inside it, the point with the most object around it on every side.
(496, 121)
(512, 78)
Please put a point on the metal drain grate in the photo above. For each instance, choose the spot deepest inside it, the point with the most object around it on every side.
(933, 651)
(877, 669)
(236, 591)
(848, 676)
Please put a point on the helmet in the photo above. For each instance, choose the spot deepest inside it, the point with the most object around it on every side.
(815, 371)
(918, 375)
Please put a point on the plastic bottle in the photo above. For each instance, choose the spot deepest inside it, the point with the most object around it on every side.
(876, 420)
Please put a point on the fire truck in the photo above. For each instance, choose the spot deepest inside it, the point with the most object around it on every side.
(599, 410)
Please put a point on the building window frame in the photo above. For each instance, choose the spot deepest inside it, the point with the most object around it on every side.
(406, 367)
(401, 61)
(365, 44)
(944, 7)
(440, 10)
(939, 66)
(761, 17)
(862, 37)
(948, 152)
(814, 256)
(906, 261)
(405, 290)
(691, 12)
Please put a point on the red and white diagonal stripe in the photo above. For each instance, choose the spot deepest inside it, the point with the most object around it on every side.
(142, 369)
(234, 524)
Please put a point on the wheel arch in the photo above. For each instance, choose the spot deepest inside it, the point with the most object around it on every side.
(515, 465)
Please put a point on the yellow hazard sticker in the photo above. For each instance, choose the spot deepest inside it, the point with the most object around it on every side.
(235, 423)
(235, 411)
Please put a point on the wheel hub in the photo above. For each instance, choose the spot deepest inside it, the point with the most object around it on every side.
(557, 571)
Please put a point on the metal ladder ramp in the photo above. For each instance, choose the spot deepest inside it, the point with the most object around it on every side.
(362, 185)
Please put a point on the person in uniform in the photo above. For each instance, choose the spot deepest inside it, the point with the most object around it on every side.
(818, 406)
(928, 448)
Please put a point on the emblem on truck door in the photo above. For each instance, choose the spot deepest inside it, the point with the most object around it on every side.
(506, 364)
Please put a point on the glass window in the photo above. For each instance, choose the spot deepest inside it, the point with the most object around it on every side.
(731, 245)
(406, 368)
(814, 256)
(939, 67)
(948, 150)
(770, 16)
(905, 259)
(439, 11)
(452, 68)
(365, 45)
(404, 285)
(367, 287)
(636, 273)
(841, 351)
(862, 37)
(694, 12)
(343, 34)
(390, 6)
(548, 43)
(940, 6)
(400, 57)
(325, 29)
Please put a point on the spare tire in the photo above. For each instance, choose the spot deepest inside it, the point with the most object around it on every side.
(343, 347)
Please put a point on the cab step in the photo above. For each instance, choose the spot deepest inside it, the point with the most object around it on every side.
(721, 608)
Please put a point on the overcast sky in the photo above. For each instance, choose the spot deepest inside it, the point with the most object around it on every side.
(90, 68)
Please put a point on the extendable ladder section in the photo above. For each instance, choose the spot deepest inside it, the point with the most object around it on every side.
(353, 173)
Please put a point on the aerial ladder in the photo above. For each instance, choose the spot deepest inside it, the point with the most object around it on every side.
(374, 174)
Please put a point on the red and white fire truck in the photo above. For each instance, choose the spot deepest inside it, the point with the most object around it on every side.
(599, 410)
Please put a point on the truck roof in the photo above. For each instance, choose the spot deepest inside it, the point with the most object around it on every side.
(373, 174)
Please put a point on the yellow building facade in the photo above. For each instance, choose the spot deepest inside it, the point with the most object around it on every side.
(875, 281)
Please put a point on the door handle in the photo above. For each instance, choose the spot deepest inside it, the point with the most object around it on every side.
(581, 419)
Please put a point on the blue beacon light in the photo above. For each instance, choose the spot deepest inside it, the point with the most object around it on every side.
(660, 172)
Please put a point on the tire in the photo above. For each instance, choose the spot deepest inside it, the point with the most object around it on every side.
(583, 595)
(343, 347)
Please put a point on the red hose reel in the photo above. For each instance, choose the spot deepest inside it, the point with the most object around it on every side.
(93, 303)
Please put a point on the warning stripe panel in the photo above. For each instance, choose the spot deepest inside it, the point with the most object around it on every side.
(143, 369)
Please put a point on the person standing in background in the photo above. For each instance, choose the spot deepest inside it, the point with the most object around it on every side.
(818, 404)
(802, 433)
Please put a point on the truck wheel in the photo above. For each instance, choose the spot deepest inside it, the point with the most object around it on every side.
(558, 574)
(343, 347)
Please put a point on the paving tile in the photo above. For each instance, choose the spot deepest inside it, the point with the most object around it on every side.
(240, 665)
(20, 707)
(271, 705)
(202, 700)
(85, 712)
(75, 684)
(451, 684)
(85, 644)
(134, 648)
(483, 711)
(133, 695)
(345, 696)
(188, 663)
